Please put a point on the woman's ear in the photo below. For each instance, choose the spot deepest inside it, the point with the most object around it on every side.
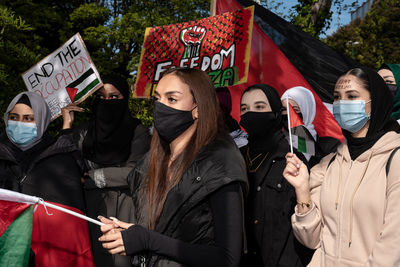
(195, 113)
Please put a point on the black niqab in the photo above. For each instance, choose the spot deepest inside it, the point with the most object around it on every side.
(109, 136)
(380, 121)
(266, 144)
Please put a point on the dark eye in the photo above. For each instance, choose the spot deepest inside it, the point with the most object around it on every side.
(155, 98)
(171, 100)
(114, 96)
(29, 118)
(13, 117)
(336, 97)
(259, 107)
(100, 96)
(353, 96)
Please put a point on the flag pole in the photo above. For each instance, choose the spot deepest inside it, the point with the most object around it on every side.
(76, 214)
(9, 195)
(289, 128)
(213, 7)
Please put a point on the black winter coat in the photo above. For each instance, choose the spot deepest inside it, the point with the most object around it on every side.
(53, 174)
(268, 210)
(186, 213)
(107, 192)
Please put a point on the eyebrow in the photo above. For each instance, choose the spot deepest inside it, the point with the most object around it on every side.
(173, 92)
(260, 102)
(385, 77)
(352, 91)
(16, 114)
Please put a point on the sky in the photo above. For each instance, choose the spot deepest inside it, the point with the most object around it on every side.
(337, 21)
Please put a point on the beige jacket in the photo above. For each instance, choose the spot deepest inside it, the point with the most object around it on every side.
(355, 218)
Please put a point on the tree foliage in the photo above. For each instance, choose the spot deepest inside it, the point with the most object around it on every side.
(14, 54)
(312, 16)
(113, 31)
(373, 40)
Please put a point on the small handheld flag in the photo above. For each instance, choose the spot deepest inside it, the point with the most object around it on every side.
(299, 136)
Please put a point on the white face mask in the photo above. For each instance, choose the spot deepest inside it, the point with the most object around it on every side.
(21, 133)
(350, 114)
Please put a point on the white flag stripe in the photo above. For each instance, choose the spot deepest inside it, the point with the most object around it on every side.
(13, 196)
(86, 82)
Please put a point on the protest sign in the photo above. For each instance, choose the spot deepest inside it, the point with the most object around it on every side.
(219, 45)
(66, 76)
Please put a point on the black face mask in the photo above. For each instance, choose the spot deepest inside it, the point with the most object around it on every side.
(259, 124)
(285, 120)
(110, 111)
(170, 122)
(393, 89)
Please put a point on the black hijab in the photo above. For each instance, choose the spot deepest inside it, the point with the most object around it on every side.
(381, 108)
(258, 144)
(225, 102)
(109, 136)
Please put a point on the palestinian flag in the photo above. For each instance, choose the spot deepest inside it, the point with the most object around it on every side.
(82, 85)
(55, 237)
(283, 56)
(15, 233)
(60, 239)
(301, 137)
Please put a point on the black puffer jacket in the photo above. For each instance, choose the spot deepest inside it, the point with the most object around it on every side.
(269, 207)
(186, 214)
(53, 173)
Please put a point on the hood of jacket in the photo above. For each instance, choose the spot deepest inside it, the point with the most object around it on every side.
(383, 146)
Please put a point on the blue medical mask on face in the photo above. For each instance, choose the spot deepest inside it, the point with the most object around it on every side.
(21, 133)
(350, 114)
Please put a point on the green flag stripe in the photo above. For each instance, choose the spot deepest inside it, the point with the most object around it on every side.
(89, 87)
(301, 142)
(15, 242)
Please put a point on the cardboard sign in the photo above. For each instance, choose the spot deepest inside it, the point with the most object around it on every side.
(219, 45)
(66, 76)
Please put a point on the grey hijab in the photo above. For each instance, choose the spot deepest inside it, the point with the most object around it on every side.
(41, 113)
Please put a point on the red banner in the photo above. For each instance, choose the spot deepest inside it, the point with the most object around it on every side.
(219, 45)
(270, 66)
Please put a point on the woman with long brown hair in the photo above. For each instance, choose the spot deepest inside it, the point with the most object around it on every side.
(187, 191)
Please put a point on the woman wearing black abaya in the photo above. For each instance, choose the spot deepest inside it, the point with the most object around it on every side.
(111, 144)
(271, 199)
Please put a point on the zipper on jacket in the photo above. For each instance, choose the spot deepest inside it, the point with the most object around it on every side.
(22, 180)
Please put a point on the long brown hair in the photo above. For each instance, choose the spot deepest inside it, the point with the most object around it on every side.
(209, 126)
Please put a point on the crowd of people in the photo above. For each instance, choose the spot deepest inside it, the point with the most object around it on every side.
(202, 189)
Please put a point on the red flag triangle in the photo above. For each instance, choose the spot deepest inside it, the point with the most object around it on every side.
(72, 93)
(269, 65)
(294, 118)
(9, 211)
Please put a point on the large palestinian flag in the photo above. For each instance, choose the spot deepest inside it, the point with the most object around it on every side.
(54, 238)
(283, 56)
(15, 233)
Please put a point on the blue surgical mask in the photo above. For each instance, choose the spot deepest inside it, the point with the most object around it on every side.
(350, 114)
(21, 133)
